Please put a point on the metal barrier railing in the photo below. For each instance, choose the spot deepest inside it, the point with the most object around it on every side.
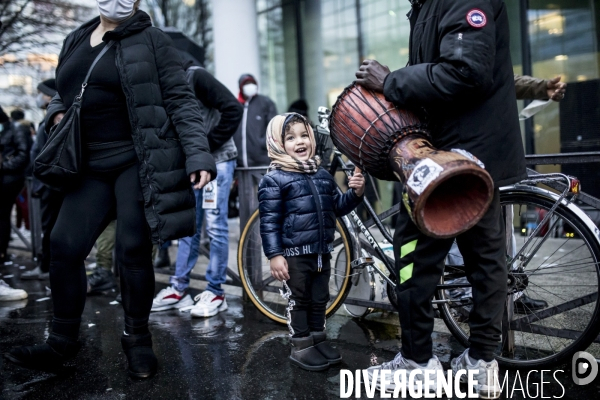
(248, 179)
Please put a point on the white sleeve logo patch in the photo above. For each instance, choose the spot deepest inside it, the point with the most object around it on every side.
(476, 18)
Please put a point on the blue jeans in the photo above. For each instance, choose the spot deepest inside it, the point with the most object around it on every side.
(217, 229)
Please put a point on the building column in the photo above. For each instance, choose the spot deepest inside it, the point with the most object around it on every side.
(313, 58)
(235, 38)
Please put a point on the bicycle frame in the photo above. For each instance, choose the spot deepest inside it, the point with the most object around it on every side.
(357, 225)
(558, 199)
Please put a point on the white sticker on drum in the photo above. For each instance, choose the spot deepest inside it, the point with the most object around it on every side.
(469, 156)
(423, 174)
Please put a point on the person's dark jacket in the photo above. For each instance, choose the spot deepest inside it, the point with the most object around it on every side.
(214, 95)
(41, 137)
(167, 128)
(15, 143)
(462, 76)
(298, 212)
(250, 137)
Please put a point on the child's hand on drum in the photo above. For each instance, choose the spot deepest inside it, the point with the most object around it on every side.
(279, 268)
(357, 182)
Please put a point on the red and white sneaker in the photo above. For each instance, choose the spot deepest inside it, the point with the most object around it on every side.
(169, 298)
(208, 304)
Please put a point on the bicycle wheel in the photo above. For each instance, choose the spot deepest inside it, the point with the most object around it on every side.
(559, 266)
(264, 290)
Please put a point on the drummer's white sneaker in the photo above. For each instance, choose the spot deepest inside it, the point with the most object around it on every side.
(400, 363)
(488, 385)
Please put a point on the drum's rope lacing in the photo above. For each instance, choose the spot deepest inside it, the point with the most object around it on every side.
(378, 144)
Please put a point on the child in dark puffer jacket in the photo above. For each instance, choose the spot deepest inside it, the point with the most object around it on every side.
(299, 203)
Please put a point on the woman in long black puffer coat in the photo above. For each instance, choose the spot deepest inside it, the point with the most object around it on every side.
(144, 142)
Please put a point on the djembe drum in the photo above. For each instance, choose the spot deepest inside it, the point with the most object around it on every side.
(445, 192)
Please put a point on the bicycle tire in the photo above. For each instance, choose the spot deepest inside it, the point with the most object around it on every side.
(266, 298)
(585, 274)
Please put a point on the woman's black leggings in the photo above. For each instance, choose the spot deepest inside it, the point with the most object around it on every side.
(84, 214)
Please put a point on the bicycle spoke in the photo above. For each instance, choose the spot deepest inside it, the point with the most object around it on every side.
(569, 305)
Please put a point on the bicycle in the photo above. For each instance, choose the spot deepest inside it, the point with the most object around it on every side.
(549, 225)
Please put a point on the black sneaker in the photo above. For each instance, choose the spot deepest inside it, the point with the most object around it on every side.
(162, 259)
(101, 280)
(527, 305)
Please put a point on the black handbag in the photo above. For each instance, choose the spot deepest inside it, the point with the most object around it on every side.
(59, 164)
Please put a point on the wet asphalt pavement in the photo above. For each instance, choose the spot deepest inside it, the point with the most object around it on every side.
(238, 354)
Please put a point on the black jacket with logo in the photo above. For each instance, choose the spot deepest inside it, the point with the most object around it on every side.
(251, 135)
(460, 73)
(15, 144)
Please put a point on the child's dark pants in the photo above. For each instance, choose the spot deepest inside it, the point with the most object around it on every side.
(310, 293)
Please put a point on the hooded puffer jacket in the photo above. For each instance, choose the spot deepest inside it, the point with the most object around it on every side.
(166, 123)
(298, 212)
(14, 152)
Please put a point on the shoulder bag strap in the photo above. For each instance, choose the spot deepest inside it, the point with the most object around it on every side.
(85, 81)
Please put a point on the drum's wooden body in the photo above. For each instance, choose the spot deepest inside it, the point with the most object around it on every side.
(446, 192)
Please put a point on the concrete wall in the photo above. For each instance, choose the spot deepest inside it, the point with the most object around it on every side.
(235, 41)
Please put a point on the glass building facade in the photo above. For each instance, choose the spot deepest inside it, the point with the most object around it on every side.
(312, 48)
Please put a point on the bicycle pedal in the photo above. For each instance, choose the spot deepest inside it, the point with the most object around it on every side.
(362, 262)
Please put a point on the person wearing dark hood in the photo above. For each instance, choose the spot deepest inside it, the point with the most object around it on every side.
(250, 137)
(145, 147)
(10, 146)
(50, 200)
(15, 142)
(460, 74)
(299, 106)
(251, 133)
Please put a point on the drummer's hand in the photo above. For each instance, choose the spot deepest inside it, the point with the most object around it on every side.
(279, 268)
(371, 75)
(200, 179)
(357, 182)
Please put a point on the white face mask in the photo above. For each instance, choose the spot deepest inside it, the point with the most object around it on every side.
(250, 90)
(116, 10)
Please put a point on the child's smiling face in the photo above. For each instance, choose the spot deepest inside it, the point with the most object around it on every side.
(296, 142)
